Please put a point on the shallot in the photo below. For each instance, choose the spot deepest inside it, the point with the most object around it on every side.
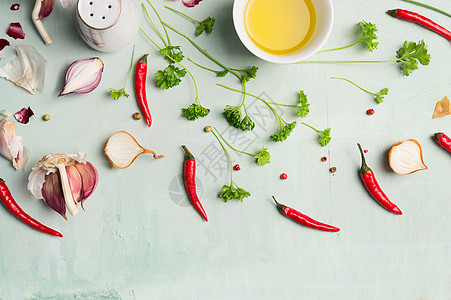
(83, 76)
(406, 157)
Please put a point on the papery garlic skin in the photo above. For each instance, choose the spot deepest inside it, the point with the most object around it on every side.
(27, 69)
(11, 145)
(83, 76)
(406, 157)
(75, 181)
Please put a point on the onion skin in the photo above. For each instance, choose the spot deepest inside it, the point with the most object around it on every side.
(392, 163)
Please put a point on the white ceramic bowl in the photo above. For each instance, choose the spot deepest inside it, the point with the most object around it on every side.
(324, 22)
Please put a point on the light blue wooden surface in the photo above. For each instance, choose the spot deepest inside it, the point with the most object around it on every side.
(139, 237)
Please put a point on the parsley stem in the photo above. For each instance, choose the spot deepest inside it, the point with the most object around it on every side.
(311, 127)
(225, 141)
(287, 105)
(131, 67)
(355, 84)
(180, 13)
(202, 67)
(203, 50)
(227, 152)
(339, 48)
(161, 21)
(153, 25)
(347, 61)
(428, 6)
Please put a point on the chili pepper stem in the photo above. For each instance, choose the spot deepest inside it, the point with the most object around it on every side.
(280, 207)
(364, 168)
(188, 154)
(436, 137)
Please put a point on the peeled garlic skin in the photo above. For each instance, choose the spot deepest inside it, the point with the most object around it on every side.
(406, 157)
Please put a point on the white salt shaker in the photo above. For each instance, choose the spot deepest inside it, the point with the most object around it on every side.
(107, 25)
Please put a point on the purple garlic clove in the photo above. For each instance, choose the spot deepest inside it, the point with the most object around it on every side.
(53, 194)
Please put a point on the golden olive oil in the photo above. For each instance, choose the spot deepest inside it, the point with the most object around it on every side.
(280, 26)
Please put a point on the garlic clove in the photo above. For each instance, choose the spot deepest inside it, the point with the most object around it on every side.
(75, 182)
(11, 145)
(406, 157)
(83, 76)
(53, 194)
(89, 178)
(122, 149)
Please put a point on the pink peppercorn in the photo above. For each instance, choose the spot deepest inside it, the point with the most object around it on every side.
(370, 112)
(237, 167)
(323, 159)
(365, 151)
(284, 176)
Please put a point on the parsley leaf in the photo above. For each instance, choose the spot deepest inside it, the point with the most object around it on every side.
(229, 192)
(205, 25)
(380, 95)
(369, 35)
(263, 157)
(233, 115)
(169, 77)
(116, 94)
(284, 133)
(247, 124)
(195, 111)
(173, 52)
(304, 109)
(324, 137)
(411, 54)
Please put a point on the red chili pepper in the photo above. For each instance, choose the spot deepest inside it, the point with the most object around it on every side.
(190, 182)
(373, 187)
(443, 140)
(419, 19)
(140, 88)
(303, 219)
(13, 207)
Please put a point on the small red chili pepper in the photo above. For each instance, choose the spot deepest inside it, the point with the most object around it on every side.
(373, 187)
(443, 140)
(140, 88)
(190, 182)
(9, 202)
(284, 176)
(303, 219)
(237, 167)
(419, 19)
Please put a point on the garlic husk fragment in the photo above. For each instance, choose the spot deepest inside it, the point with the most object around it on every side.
(11, 145)
(406, 157)
(63, 180)
(83, 76)
(122, 149)
(27, 69)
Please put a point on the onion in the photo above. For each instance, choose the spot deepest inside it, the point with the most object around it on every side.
(122, 149)
(83, 76)
(406, 157)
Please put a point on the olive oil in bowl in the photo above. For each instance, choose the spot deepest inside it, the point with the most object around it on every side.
(280, 27)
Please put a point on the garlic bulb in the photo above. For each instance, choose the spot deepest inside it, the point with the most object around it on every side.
(83, 76)
(63, 180)
(406, 157)
(122, 149)
(11, 145)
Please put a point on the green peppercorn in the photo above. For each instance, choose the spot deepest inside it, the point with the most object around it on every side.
(208, 129)
(46, 117)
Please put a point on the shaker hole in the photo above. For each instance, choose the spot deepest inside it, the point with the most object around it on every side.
(90, 3)
(92, 15)
(103, 17)
(109, 6)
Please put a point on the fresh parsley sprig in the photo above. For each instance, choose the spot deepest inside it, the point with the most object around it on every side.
(201, 26)
(116, 94)
(409, 55)
(261, 158)
(379, 97)
(368, 37)
(285, 128)
(232, 191)
(324, 136)
(302, 105)
(172, 74)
